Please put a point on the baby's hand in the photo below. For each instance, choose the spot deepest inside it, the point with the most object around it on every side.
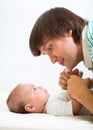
(65, 75)
(77, 72)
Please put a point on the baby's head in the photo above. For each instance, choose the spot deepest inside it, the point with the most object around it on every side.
(27, 98)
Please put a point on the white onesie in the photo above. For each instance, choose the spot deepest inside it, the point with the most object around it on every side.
(60, 103)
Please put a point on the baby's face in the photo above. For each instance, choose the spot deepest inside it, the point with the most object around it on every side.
(38, 96)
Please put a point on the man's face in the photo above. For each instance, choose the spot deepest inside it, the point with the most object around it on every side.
(63, 50)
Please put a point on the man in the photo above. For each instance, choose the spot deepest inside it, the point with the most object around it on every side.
(67, 39)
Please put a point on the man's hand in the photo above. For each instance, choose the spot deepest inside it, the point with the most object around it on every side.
(76, 86)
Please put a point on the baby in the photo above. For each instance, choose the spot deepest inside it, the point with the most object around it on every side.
(28, 98)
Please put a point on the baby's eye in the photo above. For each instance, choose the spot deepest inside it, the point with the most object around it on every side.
(34, 89)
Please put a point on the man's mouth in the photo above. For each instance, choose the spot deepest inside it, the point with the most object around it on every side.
(61, 61)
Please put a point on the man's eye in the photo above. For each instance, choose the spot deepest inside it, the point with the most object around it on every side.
(49, 48)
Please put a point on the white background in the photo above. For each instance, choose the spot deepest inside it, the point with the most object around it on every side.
(17, 64)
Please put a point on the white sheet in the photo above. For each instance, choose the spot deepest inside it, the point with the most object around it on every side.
(14, 121)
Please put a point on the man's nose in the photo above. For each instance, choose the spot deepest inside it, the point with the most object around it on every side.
(53, 59)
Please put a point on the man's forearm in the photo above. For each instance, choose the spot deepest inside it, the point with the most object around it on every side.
(86, 99)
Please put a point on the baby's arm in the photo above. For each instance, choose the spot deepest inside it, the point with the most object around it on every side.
(76, 106)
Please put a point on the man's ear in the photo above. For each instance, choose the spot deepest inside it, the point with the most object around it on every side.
(70, 33)
(30, 108)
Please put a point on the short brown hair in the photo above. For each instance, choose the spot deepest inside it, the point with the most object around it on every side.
(52, 24)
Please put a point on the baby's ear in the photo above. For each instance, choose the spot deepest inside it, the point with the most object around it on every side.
(30, 108)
